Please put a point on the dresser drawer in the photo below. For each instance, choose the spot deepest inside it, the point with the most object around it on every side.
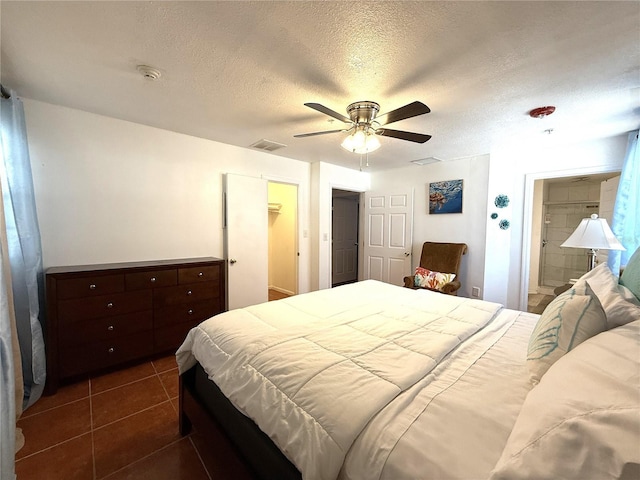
(106, 328)
(94, 356)
(181, 294)
(171, 337)
(189, 312)
(89, 286)
(103, 315)
(209, 273)
(78, 309)
(151, 279)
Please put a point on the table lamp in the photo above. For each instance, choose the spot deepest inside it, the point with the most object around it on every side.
(593, 233)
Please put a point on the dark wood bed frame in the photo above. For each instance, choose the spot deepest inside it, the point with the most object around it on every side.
(205, 408)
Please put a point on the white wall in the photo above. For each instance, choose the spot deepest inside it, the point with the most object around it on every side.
(324, 178)
(466, 227)
(513, 171)
(114, 191)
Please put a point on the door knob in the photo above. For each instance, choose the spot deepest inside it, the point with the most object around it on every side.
(406, 254)
(232, 261)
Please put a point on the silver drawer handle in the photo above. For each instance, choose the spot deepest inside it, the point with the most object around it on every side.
(200, 274)
(153, 279)
(111, 350)
(190, 312)
(92, 286)
(189, 292)
(110, 328)
(110, 305)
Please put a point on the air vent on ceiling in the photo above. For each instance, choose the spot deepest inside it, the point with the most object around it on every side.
(267, 145)
(426, 161)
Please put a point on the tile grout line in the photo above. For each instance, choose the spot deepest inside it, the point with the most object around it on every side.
(62, 441)
(93, 447)
(164, 387)
(190, 437)
(22, 417)
(93, 428)
(143, 458)
(132, 414)
(51, 447)
(89, 394)
(125, 384)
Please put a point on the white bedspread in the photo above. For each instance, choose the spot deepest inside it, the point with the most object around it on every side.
(314, 369)
(454, 423)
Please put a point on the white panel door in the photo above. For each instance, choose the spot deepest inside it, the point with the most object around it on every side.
(246, 240)
(388, 225)
(344, 234)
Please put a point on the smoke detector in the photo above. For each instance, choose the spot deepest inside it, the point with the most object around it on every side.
(542, 112)
(149, 73)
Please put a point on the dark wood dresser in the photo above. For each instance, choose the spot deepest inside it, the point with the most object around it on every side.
(100, 316)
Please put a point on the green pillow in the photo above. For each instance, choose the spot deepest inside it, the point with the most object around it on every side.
(631, 275)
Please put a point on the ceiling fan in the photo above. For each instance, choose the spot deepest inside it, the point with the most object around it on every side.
(364, 124)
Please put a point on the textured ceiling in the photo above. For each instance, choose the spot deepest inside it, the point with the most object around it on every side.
(238, 72)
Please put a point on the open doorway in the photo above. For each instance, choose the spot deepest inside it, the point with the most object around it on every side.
(283, 240)
(344, 237)
(559, 204)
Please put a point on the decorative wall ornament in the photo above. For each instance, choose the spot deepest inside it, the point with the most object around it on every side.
(494, 216)
(501, 201)
(445, 197)
(504, 224)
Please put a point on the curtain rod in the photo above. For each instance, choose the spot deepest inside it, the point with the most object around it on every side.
(4, 93)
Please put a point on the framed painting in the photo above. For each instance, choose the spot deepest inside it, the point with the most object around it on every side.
(445, 197)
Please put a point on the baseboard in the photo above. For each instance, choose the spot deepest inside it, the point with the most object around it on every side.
(281, 290)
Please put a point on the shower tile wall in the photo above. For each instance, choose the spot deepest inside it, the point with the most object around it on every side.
(559, 263)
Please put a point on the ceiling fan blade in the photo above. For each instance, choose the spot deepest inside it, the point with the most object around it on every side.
(302, 135)
(328, 111)
(411, 136)
(410, 110)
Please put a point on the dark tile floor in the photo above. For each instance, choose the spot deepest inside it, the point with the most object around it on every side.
(123, 425)
(538, 302)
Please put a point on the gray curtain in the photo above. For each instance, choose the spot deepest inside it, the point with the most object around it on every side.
(24, 248)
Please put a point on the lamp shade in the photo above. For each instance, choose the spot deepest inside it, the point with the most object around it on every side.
(361, 142)
(593, 233)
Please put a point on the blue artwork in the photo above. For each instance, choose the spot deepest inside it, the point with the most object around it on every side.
(494, 216)
(445, 197)
(504, 224)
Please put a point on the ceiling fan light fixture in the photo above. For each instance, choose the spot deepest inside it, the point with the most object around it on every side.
(361, 141)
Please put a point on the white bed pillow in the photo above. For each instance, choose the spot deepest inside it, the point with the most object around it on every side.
(568, 320)
(618, 302)
(582, 421)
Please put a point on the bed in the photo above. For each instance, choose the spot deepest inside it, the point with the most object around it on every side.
(374, 381)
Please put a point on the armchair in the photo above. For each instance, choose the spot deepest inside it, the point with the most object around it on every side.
(441, 257)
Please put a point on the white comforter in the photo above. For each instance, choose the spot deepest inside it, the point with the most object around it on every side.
(314, 369)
